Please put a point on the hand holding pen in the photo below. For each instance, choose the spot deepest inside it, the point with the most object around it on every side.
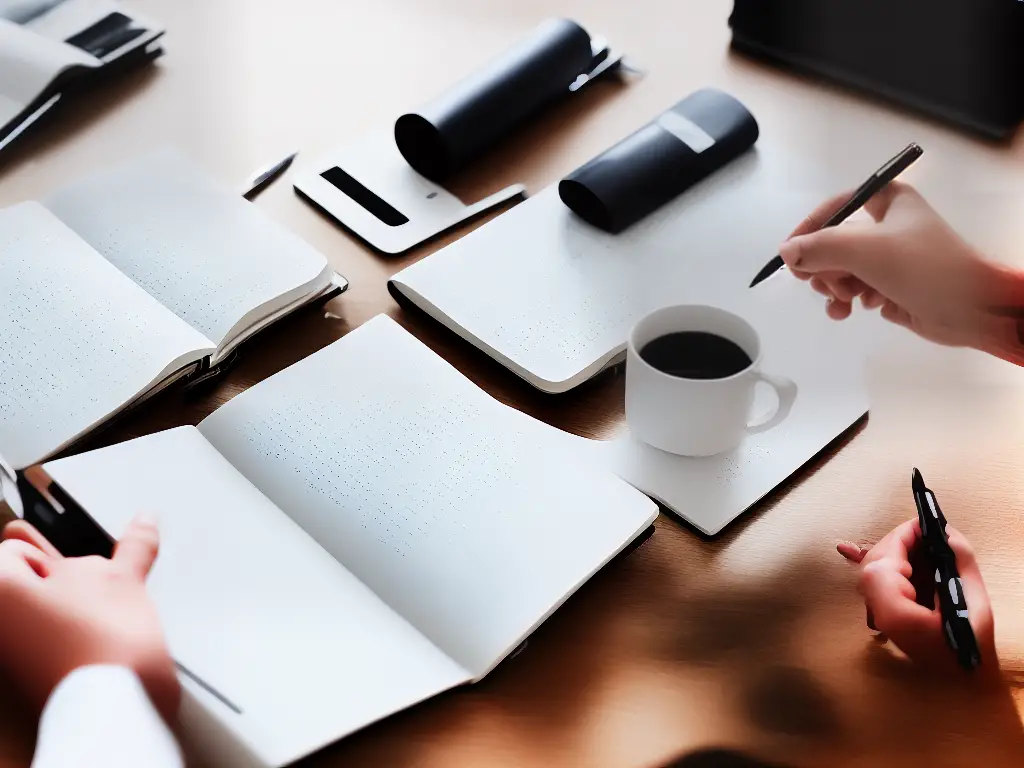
(908, 263)
(896, 580)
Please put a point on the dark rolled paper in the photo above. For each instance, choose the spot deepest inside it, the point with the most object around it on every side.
(699, 135)
(470, 118)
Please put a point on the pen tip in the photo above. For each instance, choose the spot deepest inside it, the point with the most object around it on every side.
(916, 479)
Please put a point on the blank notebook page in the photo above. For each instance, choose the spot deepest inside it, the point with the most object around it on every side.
(556, 297)
(78, 339)
(253, 606)
(464, 515)
(203, 251)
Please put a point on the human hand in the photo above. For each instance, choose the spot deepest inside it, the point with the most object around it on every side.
(899, 600)
(60, 614)
(907, 262)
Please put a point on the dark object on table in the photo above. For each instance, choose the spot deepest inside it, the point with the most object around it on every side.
(455, 128)
(113, 31)
(960, 61)
(942, 563)
(698, 136)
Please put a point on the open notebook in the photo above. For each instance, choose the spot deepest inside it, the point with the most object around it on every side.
(359, 532)
(51, 47)
(123, 282)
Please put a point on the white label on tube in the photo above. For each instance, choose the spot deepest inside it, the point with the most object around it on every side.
(687, 131)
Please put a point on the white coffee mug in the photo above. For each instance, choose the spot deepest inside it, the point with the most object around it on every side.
(698, 417)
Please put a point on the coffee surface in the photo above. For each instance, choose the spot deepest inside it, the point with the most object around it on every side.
(695, 355)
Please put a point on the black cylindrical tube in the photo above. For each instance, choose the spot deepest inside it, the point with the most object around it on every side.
(470, 118)
(699, 135)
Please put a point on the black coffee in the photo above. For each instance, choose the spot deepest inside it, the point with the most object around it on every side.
(696, 355)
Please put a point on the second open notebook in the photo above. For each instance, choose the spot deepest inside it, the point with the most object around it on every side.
(126, 281)
(360, 532)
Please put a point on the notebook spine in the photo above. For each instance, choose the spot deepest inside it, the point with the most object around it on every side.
(208, 375)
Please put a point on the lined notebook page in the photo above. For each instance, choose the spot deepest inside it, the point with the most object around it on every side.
(463, 514)
(253, 606)
(78, 339)
(553, 298)
(28, 64)
(204, 252)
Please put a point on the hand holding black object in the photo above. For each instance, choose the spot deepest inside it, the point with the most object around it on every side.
(899, 594)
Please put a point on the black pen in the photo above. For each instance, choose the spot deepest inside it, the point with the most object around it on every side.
(950, 589)
(878, 181)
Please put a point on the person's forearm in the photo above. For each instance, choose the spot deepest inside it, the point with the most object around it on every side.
(1001, 331)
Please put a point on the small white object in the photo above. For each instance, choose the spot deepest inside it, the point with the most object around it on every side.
(705, 417)
(376, 164)
(687, 131)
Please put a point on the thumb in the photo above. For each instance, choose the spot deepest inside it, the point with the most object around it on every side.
(837, 249)
(138, 547)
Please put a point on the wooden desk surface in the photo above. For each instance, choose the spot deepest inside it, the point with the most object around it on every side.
(755, 641)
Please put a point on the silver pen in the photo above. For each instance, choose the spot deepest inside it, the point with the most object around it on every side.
(262, 178)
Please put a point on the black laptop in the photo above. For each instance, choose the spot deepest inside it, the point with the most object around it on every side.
(961, 61)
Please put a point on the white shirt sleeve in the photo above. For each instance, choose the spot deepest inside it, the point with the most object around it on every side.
(101, 717)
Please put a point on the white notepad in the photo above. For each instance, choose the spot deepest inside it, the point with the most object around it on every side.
(122, 282)
(361, 531)
(828, 363)
(553, 299)
(372, 167)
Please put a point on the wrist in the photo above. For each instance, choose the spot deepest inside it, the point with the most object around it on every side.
(1000, 331)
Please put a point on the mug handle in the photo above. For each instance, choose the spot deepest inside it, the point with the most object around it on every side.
(785, 390)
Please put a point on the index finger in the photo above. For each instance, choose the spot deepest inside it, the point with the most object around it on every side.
(817, 218)
(898, 543)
